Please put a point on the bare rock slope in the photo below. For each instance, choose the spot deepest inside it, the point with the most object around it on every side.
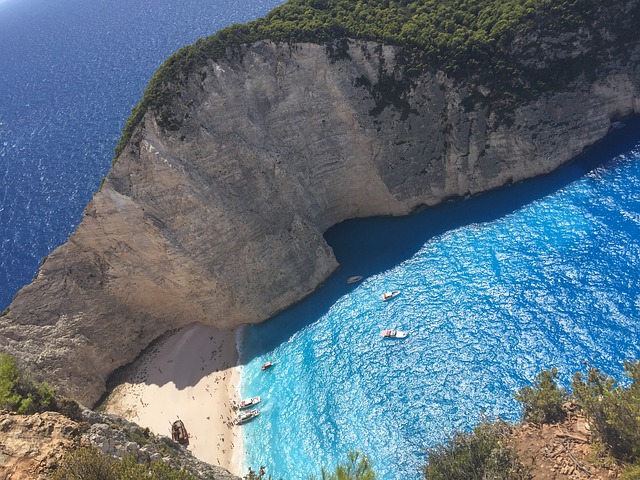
(221, 220)
(33, 446)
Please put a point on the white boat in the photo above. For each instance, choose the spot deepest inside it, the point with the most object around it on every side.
(389, 295)
(354, 279)
(394, 334)
(245, 416)
(267, 365)
(249, 402)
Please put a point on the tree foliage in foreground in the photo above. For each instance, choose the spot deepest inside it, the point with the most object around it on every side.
(19, 393)
(631, 472)
(479, 455)
(88, 463)
(358, 467)
(613, 410)
(261, 474)
(542, 402)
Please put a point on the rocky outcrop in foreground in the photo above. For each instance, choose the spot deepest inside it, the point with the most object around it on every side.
(32, 446)
(563, 451)
(220, 220)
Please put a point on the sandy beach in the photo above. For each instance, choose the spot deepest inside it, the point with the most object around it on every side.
(191, 375)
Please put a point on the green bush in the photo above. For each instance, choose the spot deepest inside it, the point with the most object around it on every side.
(129, 469)
(140, 437)
(542, 402)
(69, 408)
(631, 472)
(613, 410)
(88, 463)
(19, 393)
(261, 474)
(479, 455)
(357, 467)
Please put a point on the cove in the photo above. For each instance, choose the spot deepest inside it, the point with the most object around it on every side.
(493, 289)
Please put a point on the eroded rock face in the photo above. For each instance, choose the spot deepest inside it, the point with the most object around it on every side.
(221, 221)
(33, 446)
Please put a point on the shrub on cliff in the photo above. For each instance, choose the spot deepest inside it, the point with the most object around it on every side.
(357, 467)
(542, 402)
(613, 410)
(19, 393)
(88, 463)
(631, 472)
(261, 474)
(69, 408)
(85, 463)
(478, 455)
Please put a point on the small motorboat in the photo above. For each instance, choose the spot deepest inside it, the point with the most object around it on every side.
(267, 365)
(179, 433)
(389, 295)
(249, 402)
(354, 279)
(244, 417)
(394, 334)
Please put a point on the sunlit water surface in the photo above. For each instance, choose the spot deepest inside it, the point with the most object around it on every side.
(493, 289)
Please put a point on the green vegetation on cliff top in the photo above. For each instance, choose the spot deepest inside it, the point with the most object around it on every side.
(465, 38)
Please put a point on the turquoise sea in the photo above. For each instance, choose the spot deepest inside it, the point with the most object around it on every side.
(493, 289)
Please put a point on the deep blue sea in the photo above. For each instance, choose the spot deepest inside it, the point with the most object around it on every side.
(493, 289)
(70, 72)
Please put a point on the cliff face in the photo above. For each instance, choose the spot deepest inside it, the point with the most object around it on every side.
(221, 220)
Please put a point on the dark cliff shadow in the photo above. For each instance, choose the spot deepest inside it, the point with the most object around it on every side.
(181, 357)
(366, 247)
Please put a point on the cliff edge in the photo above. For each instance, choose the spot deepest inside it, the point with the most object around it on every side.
(214, 211)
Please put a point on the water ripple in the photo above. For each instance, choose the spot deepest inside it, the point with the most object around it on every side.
(488, 305)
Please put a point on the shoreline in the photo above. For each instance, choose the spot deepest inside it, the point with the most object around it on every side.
(191, 375)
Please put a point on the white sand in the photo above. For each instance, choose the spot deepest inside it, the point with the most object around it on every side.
(192, 376)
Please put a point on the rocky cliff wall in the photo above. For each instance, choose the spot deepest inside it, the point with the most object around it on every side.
(220, 220)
